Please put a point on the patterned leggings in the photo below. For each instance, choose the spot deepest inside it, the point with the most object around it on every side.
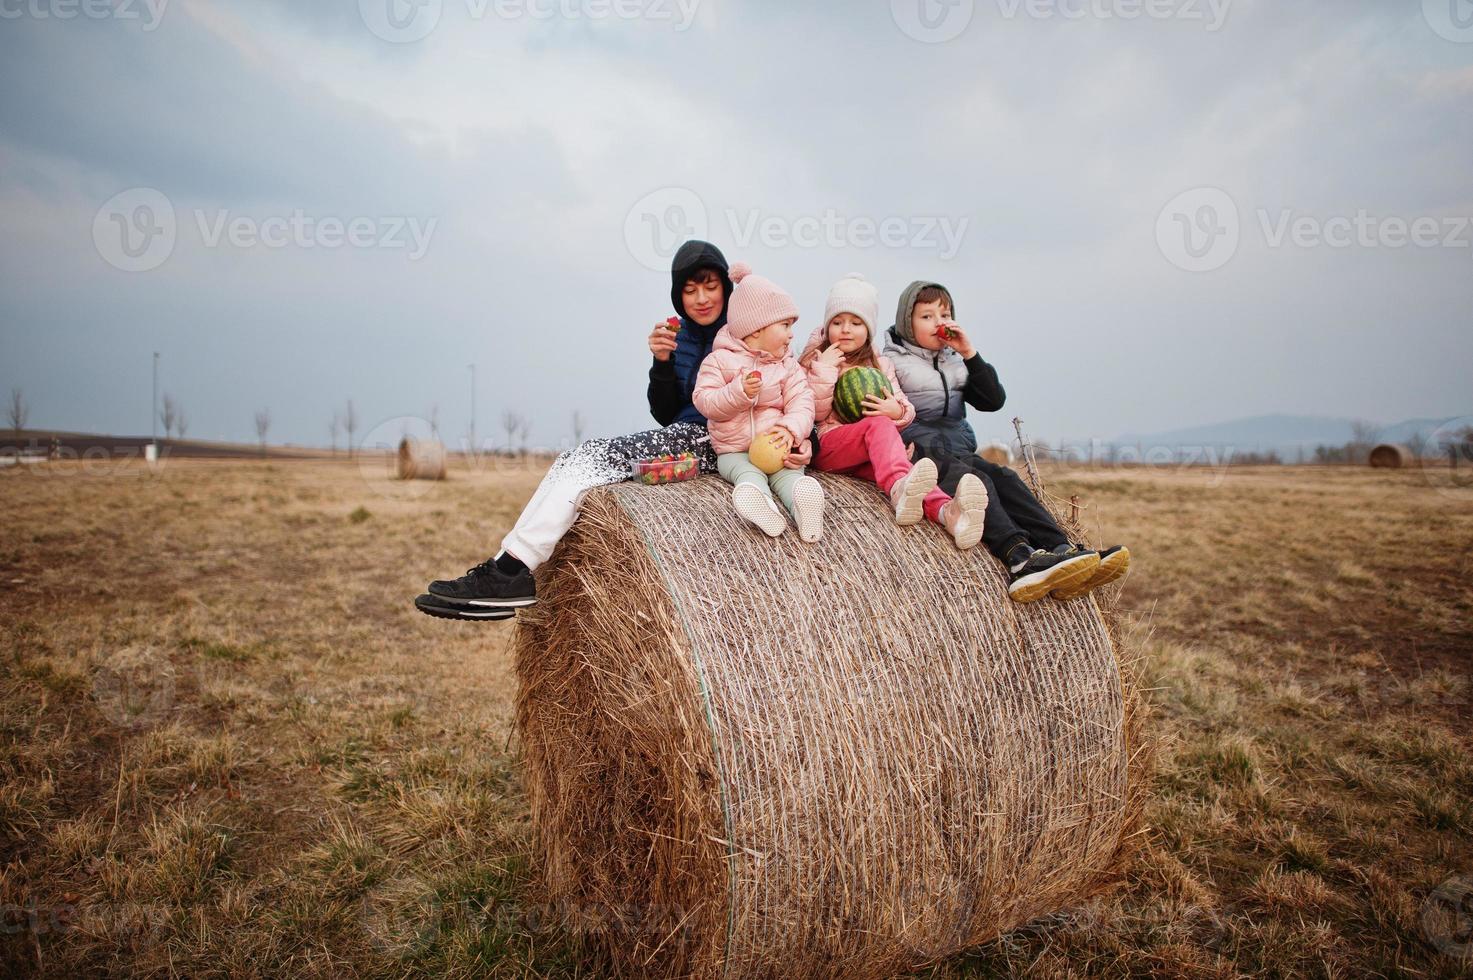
(595, 463)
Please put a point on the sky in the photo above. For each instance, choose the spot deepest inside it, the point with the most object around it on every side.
(1152, 213)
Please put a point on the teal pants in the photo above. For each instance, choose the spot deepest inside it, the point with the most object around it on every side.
(737, 468)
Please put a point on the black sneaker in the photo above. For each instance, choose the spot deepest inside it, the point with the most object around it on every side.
(1044, 571)
(1114, 563)
(432, 605)
(488, 586)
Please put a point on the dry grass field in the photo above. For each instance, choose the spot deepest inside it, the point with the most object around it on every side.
(229, 746)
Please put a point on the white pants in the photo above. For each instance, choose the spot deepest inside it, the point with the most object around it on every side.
(595, 463)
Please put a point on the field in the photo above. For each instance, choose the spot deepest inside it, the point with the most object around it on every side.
(231, 747)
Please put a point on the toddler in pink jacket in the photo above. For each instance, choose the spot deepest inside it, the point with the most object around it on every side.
(871, 448)
(749, 388)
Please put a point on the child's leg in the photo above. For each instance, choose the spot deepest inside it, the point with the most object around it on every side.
(595, 463)
(803, 496)
(1000, 534)
(1024, 510)
(750, 497)
(872, 442)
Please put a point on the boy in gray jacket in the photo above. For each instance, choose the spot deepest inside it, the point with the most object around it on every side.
(942, 373)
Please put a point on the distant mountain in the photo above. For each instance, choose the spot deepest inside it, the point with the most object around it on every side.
(1284, 434)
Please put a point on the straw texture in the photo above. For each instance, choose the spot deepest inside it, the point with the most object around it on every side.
(750, 758)
(1392, 456)
(420, 459)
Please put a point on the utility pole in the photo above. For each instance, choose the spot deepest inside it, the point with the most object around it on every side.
(153, 410)
(473, 408)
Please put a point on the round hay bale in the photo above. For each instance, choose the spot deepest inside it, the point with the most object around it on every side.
(748, 757)
(998, 453)
(421, 459)
(1392, 456)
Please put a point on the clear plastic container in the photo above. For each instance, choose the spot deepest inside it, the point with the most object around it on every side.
(666, 469)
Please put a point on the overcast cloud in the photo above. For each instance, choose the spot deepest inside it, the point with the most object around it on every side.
(355, 216)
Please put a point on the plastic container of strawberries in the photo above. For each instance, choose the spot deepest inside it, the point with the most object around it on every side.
(666, 469)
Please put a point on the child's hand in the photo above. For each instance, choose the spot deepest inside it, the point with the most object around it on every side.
(800, 456)
(752, 383)
(956, 338)
(662, 341)
(781, 438)
(889, 406)
(831, 356)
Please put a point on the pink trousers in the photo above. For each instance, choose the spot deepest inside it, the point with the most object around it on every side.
(871, 449)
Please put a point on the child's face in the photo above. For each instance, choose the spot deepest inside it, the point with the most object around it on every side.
(925, 320)
(848, 332)
(702, 298)
(774, 339)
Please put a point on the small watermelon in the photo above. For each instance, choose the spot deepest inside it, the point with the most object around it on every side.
(853, 386)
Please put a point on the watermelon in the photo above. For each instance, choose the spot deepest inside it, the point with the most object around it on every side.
(853, 386)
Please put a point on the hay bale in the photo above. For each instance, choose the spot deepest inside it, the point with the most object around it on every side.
(1392, 456)
(996, 452)
(421, 459)
(748, 757)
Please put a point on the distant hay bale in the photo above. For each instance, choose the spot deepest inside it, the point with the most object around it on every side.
(748, 757)
(997, 452)
(1392, 456)
(421, 459)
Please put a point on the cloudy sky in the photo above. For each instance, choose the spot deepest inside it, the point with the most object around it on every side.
(1153, 213)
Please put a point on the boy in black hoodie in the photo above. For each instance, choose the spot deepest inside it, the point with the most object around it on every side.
(699, 289)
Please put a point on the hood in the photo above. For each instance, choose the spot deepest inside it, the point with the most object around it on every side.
(693, 255)
(725, 341)
(907, 306)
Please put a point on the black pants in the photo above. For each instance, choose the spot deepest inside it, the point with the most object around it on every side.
(1014, 515)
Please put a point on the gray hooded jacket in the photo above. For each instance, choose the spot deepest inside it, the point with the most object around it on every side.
(939, 383)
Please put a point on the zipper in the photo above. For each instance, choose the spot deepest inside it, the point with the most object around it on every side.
(945, 390)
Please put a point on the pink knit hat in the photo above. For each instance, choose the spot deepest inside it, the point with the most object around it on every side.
(755, 303)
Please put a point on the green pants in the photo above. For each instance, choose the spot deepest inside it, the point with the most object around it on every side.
(737, 468)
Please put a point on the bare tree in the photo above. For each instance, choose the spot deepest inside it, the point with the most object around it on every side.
(263, 425)
(334, 427)
(524, 431)
(1362, 438)
(512, 423)
(577, 427)
(169, 414)
(19, 412)
(435, 420)
(181, 421)
(350, 423)
(1417, 443)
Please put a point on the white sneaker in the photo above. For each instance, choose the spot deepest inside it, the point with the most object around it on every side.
(971, 494)
(964, 526)
(759, 508)
(808, 508)
(910, 490)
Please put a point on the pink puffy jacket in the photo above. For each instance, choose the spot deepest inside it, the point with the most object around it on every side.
(733, 419)
(823, 377)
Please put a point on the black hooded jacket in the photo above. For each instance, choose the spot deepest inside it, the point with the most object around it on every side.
(672, 381)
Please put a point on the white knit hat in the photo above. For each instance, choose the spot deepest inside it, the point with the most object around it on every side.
(853, 294)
